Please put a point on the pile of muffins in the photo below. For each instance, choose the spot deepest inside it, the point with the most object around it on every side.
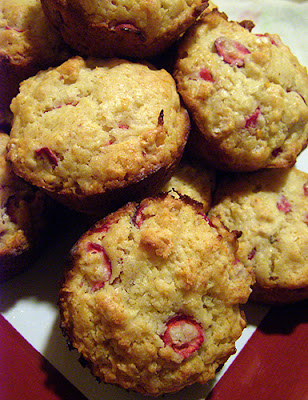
(177, 130)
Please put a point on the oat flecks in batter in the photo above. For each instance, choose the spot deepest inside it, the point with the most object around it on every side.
(169, 314)
(269, 208)
(247, 94)
(123, 28)
(23, 212)
(87, 127)
(194, 180)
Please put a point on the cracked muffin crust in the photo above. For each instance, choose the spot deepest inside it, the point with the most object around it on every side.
(194, 180)
(94, 133)
(269, 208)
(28, 43)
(247, 95)
(122, 28)
(23, 216)
(151, 293)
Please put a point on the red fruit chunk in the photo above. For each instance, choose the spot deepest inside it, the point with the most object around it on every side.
(306, 219)
(104, 228)
(276, 152)
(206, 218)
(305, 187)
(138, 217)
(272, 40)
(232, 52)
(70, 103)
(283, 204)
(105, 269)
(45, 152)
(123, 126)
(252, 254)
(184, 335)
(251, 121)
(206, 75)
(129, 28)
(302, 97)
(9, 28)
(126, 26)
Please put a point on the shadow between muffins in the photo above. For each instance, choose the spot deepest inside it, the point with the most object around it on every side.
(40, 281)
(284, 319)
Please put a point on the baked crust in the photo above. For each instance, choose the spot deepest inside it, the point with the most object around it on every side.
(246, 93)
(194, 180)
(269, 209)
(143, 274)
(23, 219)
(108, 130)
(28, 43)
(122, 28)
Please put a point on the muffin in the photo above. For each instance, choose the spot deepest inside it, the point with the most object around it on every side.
(247, 95)
(269, 209)
(23, 219)
(151, 294)
(28, 43)
(95, 133)
(194, 180)
(211, 7)
(122, 28)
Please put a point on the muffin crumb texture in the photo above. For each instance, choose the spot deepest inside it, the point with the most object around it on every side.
(269, 208)
(151, 296)
(105, 125)
(23, 219)
(247, 95)
(120, 28)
